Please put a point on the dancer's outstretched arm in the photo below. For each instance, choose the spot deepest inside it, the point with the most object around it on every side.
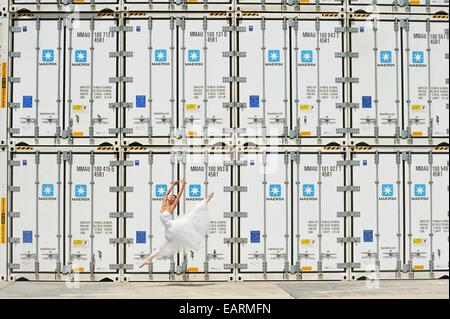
(154, 254)
(183, 185)
(208, 198)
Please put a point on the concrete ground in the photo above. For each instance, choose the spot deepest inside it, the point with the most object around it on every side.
(259, 290)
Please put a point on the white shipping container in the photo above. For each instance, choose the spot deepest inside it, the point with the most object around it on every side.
(150, 174)
(289, 221)
(274, 89)
(181, 91)
(59, 213)
(3, 215)
(299, 2)
(56, 2)
(402, 3)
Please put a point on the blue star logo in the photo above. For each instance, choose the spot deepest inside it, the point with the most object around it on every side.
(387, 190)
(195, 190)
(161, 55)
(420, 190)
(193, 56)
(160, 190)
(418, 57)
(386, 57)
(81, 191)
(47, 190)
(273, 56)
(48, 55)
(306, 56)
(308, 190)
(275, 190)
(80, 56)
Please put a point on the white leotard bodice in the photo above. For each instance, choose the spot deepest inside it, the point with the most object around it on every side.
(166, 218)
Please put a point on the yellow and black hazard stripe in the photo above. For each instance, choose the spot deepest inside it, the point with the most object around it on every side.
(23, 148)
(105, 148)
(105, 14)
(218, 14)
(330, 14)
(332, 148)
(251, 148)
(25, 14)
(363, 148)
(136, 148)
(441, 148)
(360, 15)
(136, 14)
(439, 16)
(250, 14)
(219, 148)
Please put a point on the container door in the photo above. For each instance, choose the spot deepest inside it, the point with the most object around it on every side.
(300, 2)
(426, 212)
(378, 68)
(89, 202)
(315, 69)
(413, 3)
(150, 176)
(206, 173)
(36, 99)
(316, 225)
(265, 67)
(425, 73)
(202, 69)
(379, 202)
(89, 113)
(152, 93)
(266, 201)
(36, 226)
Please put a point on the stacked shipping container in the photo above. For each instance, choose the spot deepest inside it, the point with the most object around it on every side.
(321, 126)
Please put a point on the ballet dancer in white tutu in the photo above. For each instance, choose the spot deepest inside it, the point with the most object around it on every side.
(186, 231)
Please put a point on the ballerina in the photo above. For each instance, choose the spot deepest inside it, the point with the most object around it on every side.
(187, 231)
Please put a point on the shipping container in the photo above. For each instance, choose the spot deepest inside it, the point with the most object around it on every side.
(50, 86)
(291, 90)
(400, 3)
(179, 86)
(59, 214)
(148, 175)
(3, 214)
(402, 67)
(61, 2)
(291, 224)
(291, 2)
(4, 22)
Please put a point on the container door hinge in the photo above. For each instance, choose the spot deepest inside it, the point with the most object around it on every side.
(120, 266)
(117, 79)
(348, 240)
(346, 79)
(115, 189)
(13, 105)
(13, 240)
(234, 105)
(346, 29)
(118, 54)
(347, 163)
(15, 29)
(14, 54)
(347, 105)
(235, 163)
(120, 215)
(231, 28)
(229, 54)
(120, 28)
(352, 55)
(348, 188)
(235, 240)
(13, 163)
(347, 130)
(117, 105)
(229, 79)
(124, 130)
(121, 240)
(348, 265)
(235, 214)
(15, 189)
(12, 79)
(13, 266)
(14, 130)
(235, 266)
(121, 163)
(348, 214)
(235, 188)
(13, 214)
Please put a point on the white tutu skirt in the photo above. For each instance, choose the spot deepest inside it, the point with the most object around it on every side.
(186, 231)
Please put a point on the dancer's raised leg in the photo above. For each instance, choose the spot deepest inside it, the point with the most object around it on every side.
(154, 254)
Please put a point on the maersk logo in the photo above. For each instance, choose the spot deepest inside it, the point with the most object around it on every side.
(160, 57)
(273, 56)
(195, 191)
(80, 192)
(48, 57)
(160, 190)
(47, 192)
(386, 57)
(275, 192)
(387, 192)
(308, 192)
(193, 57)
(420, 191)
(306, 58)
(80, 57)
(418, 58)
